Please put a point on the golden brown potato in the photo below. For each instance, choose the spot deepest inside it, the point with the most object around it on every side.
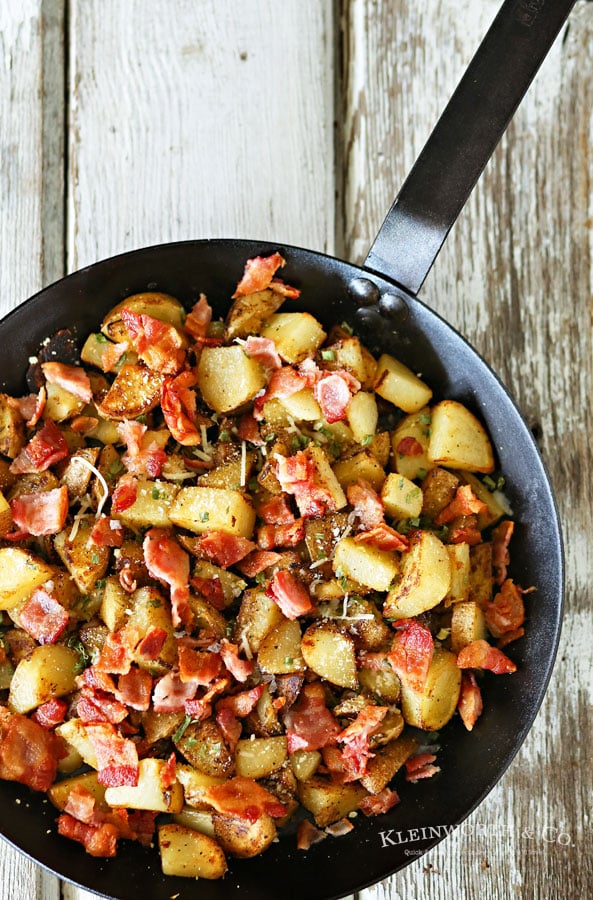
(247, 314)
(425, 578)
(280, 649)
(228, 378)
(258, 614)
(260, 757)
(202, 509)
(149, 793)
(49, 672)
(329, 652)
(242, 838)
(296, 335)
(432, 707)
(159, 306)
(86, 562)
(328, 800)
(12, 428)
(467, 624)
(20, 573)
(386, 762)
(365, 564)
(416, 428)
(396, 383)
(203, 745)
(458, 439)
(135, 391)
(190, 854)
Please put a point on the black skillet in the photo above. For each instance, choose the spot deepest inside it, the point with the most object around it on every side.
(379, 300)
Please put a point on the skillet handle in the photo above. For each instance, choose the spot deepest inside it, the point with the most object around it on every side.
(464, 138)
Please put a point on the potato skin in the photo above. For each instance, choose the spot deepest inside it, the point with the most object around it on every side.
(242, 838)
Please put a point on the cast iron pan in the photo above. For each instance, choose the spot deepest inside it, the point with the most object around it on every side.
(379, 300)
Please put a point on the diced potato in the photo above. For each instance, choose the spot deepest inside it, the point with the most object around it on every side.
(160, 725)
(302, 406)
(61, 404)
(203, 745)
(329, 651)
(195, 783)
(362, 465)
(366, 624)
(197, 819)
(304, 763)
(228, 475)
(263, 720)
(247, 314)
(460, 570)
(362, 415)
(49, 672)
(205, 616)
(96, 351)
(280, 649)
(431, 708)
(149, 610)
(202, 509)
(60, 791)
(76, 474)
(365, 564)
(71, 762)
(33, 483)
(260, 757)
(114, 603)
(135, 391)
(480, 573)
(386, 762)
(242, 838)
(438, 490)
(398, 384)
(383, 683)
(351, 355)
(494, 510)
(5, 515)
(416, 427)
(190, 854)
(326, 475)
(86, 562)
(12, 429)
(296, 335)
(329, 801)
(380, 447)
(228, 378)
(467, 624)
(149, 793)
(105, 430)
(20, 573)
(153, 503)
(232, 585)
(401, 497)
(425, 578)
(258, 614)
(73, 733)
(458, 439)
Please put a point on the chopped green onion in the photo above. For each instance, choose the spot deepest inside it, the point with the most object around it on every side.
(347, 328)
(328, 355)
(367, 439)
(224, 435)
(100, 338)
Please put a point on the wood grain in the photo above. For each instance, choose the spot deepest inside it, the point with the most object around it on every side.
(515, 277)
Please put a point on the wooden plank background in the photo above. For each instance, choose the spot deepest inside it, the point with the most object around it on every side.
(126, 122)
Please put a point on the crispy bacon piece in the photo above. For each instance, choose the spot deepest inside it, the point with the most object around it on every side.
(481, 655)
(298, 475)
(411, 652)
(506, 613)
(152, 643)
(264, 351)
(243, 703)
(198, 666)
(51, 713)
(157, 343)
(244, 798)
(248, 429)
(308, 834)
(117, 759)
(98, 840)
(334, 392)
(409, 446)
(97, 706)
(276, 511)
(197, 321)
(501, 537)
(384, 537)
(167, 562)
(270, 536)
(73, 379)
(290, 594)
(43, 512)
(107, 532)
(170, 693)
(44, 449)
(140, 460)
(367, 504)
(84, 424)
(259, 274)
(464, 530)
(29, 753)
(225, 549)
(135, 688)
(240, 669)
(30, 407)
(43, 617)
(211, 589)
(284, 383)
(179, 406)
(309, 723)
(464, 503)
(258, 561)
(230, 727)
(378, 804)
(111, 355)
(420, 766)
(355, 738)
(116, 654)
(124, 495)
(470, 700)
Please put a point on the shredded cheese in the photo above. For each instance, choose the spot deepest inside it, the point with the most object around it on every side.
(201, 455)
(243, 478)
(102, 482)
(205, 443)
(85, 504)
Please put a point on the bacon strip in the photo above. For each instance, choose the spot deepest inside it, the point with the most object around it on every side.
(355, 738)
(501, 537)
(43, 617)
(481, 655)
(384, 538)
(179, 406)
(41, 513)
(258, 274)
(225, 549)
(244, 798)
(167, 562)
(44, 449)
(264, 351)
(309, 724)
(367, 504)
(197, 321)
(117, 759)
(421, 766)
(411, 652)
(506, 613)
(140, 460)
(378, 804)
(239, 668)
(28, 753)
(464, 503)
(470, 704)
(290, 594)
(73, 379)
(157, 343)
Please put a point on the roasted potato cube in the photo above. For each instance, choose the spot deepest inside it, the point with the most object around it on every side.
(431, 708)
(96, 351)
(228, 475)
(61, 790)
(232, 585)
(203, 745)
(401, 497)
(205, 616)
(195, 783)
(438, 490)
(49, 672)
(280, 649)
(77, 475)
(202, 509)
(86, 562)
(263, 720)
(152, 506)
(365, 564)
(494, 510)
(228, 378)
(188, 853)
(74, 734)
(149, 610)
(366, 624)
(247, 314)
(480, 573)
(467, 624)
(149, 793)
(12, 428)
(410, 445)
(296, 335)
(20, 573)
(398, 384)
(362, 465)
(160, 725)
(260, 757)
(458, 439)
(114, 603)
(382, 683)
(242, 838)
(363, 415)
(351, 355)
(329, 801)
(304, 763)
(326, 475)
(329, 652)
(61, 404)
(258, 614)
(425, 578)
(386, 762)
(159, 306)
(33, 483)
(5, 515)
(135, 391)
(321, 535)
(196, 819)
(460, 573)
(302, 406)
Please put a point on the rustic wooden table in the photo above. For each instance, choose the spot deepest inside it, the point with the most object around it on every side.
(130, 122)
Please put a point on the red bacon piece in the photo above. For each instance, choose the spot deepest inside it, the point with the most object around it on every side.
(243, 797)
(225, 549)
(284, 383)
(501, 537)
(257, 561)
(135, 688)
(264, 351)
(83, 424)
(258, 274)
(290, 594)
(308, 834)
(334, 392)
(43, 617)
(367, 504)
(465, 531)
(141, 823)
(464, 503)
(420, 766)
(276, 511)
(157, 343)
(470, 700)
(384, 538)
(230, 727)
(167, 562)
(152, 643)
(140, 460)
(117, 758)
(211, 589)
(298, 475)
(43, 512)
(198, 666)
(378, 804)
(248, 429)
(270, 536)
(28, 753)
(239, 668)
(111, 355)
(170, 693)
(73, 379)
(197, 321)
(97, 706)
(124, 495)
(98, 840)
(506, 613)
(51, 713)
(179, 406)
(309, 723)
(243, 703)
(481, 655)
(44, 449)
(509, 637)
(107, 532)
(409, 446)
(355, 738)
(411, 652)
(116, 653)
(30, 407)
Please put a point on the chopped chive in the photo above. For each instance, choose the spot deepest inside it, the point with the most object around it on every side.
(100, 338)
(328, 355)
(347, 328)
(367, 439)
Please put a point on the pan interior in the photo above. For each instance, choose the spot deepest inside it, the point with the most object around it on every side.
(471, 763)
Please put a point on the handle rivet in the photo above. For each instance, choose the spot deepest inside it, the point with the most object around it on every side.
(392, 305)
(364, 291)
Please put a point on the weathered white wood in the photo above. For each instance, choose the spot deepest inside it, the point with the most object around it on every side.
(212, 119)
(515, 276)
